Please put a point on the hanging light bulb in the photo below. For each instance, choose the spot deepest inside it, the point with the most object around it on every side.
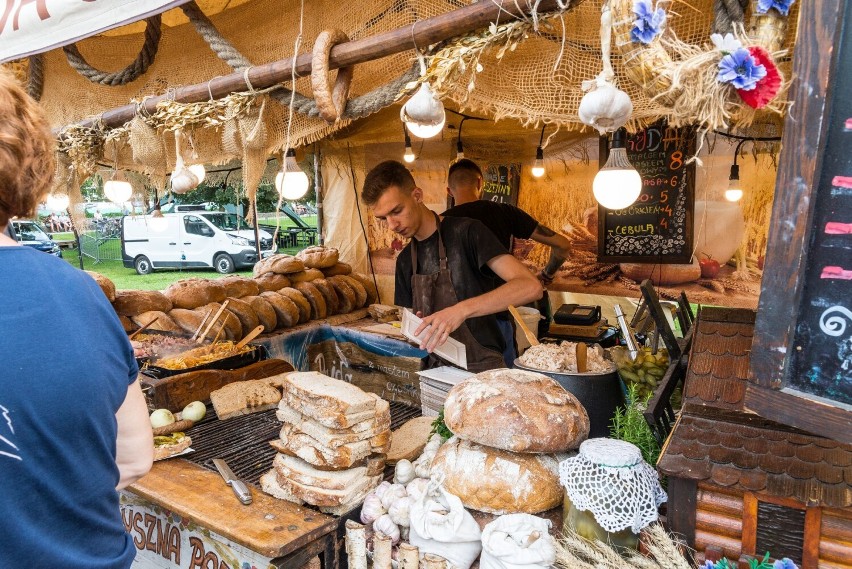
(538, 165)
(734, 193)
(117, 189)
(617, 184)
(423, 113)
(198, 171)
(409, 152)
(57, 202)
(291, 182)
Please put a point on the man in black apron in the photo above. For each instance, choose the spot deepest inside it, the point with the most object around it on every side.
(446, 272)
(507, 222)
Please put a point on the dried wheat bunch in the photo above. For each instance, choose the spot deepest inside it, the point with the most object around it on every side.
(664, 552)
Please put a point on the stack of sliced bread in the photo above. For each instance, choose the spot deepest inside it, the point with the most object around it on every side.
(333, 443)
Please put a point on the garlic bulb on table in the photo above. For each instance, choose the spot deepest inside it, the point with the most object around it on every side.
(372, 509)
(392, 494)
(403, 472)
(417, 487)
(387, 526)
(400, 511)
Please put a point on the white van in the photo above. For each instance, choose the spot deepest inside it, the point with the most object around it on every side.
(190, 239)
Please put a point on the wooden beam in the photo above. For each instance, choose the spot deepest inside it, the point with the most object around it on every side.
(422, 34)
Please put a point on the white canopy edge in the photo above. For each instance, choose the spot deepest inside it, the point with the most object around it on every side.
(31, 27)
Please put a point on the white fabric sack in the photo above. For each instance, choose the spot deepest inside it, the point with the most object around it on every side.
(517, 541)
(440, 525)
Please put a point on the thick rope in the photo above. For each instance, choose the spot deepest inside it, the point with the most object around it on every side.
(727, 13)
(220, 46)
(35, 79)
(134, 70)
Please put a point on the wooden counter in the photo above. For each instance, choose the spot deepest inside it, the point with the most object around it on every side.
(287, 534)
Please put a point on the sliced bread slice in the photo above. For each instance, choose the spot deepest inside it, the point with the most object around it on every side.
(244, 397)
(269, 484)
(326, 394)
(298, 470)
(323, 497)
(375, 463)
(310, 450)
(354, 503)
(331, 438)
(325, 417)
(410, 439)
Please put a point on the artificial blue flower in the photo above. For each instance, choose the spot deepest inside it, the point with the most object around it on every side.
(648, 23)
(783, 6)
(708, 565)
(740, 70)
(784, 564)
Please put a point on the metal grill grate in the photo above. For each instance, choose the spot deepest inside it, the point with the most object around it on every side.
(243, 441)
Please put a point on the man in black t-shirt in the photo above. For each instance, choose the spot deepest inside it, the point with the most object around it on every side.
(457, 294)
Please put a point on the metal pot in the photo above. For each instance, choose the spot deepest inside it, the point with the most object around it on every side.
(600, 393)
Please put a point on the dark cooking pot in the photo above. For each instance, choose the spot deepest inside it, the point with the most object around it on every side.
(600, 393)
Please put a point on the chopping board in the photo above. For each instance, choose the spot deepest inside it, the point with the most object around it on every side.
(268, 526)
(176, 391)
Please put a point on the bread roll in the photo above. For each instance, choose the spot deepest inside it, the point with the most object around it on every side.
(516, 410)
(319, 310)
(133, 302)
(345, 295)
(188, 320)
(271, 281)
(369, 286)
(246, 315)
(338, 269)
(286, 311)
(497, 481)
(192, 293)
(332, 303)
(318, 257)
(239, 287)
(301, 302)
(264, 311)
(163, 321)
(306, 275)
(107, 286)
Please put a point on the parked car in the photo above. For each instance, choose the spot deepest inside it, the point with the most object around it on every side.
(33, 234)
(183, 240)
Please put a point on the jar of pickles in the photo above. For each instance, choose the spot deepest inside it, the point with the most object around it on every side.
(610, 492)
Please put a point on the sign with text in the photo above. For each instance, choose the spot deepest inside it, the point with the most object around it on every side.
(657, 227)
(166, 540)
(502, 183)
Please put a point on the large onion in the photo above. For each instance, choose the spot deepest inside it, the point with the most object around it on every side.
(161, 418)
(195, 411)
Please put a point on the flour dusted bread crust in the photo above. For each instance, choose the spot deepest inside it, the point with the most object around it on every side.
(319, 310)
(337, 269)
(162, 321)
(369, 286)
(192, 293)
(497, 481)
(301, 302)
(271, 282)
(281, 264)
(516, 410)
(133, 302)
(318, 257)
(264, 310)
(107, 286)
(306, 276)
(239, 287)
(188, 320)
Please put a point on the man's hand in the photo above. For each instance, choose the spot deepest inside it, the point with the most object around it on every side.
(437, 327)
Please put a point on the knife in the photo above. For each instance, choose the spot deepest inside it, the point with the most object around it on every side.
(238, 486)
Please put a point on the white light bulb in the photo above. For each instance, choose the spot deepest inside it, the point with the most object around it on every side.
(617, 184)
(57, 202)
(733, 194)
(118, 190)
(409, 155)
(538, 168)
(292, 183)
(426, 130)
(199, 171)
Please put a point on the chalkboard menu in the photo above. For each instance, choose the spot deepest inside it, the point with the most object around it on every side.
(502, 182)
(822, 358)
(657, 228)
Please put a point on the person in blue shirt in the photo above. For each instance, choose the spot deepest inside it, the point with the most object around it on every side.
(74, 425)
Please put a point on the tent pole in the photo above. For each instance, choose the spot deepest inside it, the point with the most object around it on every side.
(422, 33)
(318, 189)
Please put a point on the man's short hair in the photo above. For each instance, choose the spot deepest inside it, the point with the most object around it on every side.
(387, 174)
(26, 151)
(464, 172)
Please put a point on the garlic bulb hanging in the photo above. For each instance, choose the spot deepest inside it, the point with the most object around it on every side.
(423, 113)
(605, 106)
(183, 179)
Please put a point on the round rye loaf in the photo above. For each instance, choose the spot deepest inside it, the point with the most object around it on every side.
(516, 410)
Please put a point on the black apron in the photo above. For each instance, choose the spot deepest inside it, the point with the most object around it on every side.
(431, 293)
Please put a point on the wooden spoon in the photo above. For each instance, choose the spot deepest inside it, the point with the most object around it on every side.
(248, 338)
(145, 327)
(582, 360)
(523, 326)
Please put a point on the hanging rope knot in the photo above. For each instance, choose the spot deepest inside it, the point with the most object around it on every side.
(131, 72)
(331, 101)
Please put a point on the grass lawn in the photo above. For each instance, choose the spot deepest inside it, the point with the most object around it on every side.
(128, 278)
(285, 221)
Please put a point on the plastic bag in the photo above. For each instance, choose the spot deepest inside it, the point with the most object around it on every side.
(440, 525)
(517, 541)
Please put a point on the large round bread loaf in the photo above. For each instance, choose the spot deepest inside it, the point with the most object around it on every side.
(301, 303)
(188, 320)
(361, 296)
(318, 257)
(338, 269)
(498, 481)
(265, 312)
(271, 282)
(306, 276)
(319, 310)
(133, 302)
(107, 286)
(239, 287)
(332, 303)
(369, 286)
(232, 329)
(192, 293)
(345, 295)
(516, 410)
(161, 321)
(246, 315)
(281, 264)
(286, 311)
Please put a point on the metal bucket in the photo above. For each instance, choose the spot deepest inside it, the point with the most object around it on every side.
(600, 393)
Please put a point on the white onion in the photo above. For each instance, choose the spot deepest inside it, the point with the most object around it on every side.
(161, 418)
(195, 411)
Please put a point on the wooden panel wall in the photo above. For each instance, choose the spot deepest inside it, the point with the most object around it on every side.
(835, 548)
(718, 521)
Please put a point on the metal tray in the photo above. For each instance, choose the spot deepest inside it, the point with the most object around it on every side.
(233, 362)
